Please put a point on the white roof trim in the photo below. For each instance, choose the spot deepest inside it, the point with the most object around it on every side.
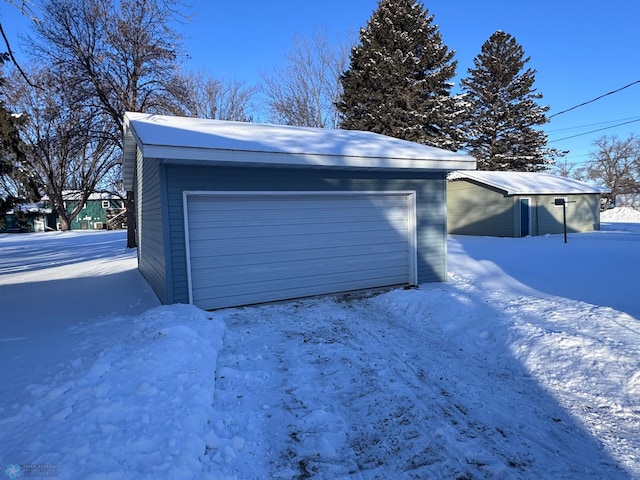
(529, 183)
(195, 140)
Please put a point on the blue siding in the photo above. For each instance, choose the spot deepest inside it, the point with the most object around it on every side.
(150, 229)
(430, 205)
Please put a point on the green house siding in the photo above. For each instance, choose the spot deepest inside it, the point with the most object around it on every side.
(430, 206)
(474, 209)
(93, 215)
(583, 213)
(23, 222)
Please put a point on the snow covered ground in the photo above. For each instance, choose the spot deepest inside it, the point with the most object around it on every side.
(524, 365)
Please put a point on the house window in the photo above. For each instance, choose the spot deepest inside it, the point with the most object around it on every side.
(106, 204)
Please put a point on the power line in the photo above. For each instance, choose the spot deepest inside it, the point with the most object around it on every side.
(607, 122)
(594, 131)
(594, 99)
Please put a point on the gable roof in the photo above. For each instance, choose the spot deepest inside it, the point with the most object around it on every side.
(72, 195)
(528, 183)
(204, 141)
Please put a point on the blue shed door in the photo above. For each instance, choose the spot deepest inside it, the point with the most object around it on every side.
(245, 248)
(525, 217)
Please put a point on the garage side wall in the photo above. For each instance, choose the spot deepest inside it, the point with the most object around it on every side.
(477, 210)
(430, 205)
(149, 220)
(583, 213)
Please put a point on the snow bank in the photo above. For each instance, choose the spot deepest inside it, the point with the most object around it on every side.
(136, 409)
(621, 214)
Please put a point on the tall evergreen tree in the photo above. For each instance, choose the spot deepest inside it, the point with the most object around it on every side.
(502, 116)
(399, 79)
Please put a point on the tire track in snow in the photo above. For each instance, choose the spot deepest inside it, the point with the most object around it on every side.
(348, 388)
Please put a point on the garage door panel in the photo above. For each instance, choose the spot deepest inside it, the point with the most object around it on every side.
(239, 246)
(268, 203)
(242, 255)
(341, 232)
(256, 214)
(284, 219)
(252, 248)
(282, 290)
(269, 210)
(282, 233)
(336, 282)
(212, 222)
(267, 272)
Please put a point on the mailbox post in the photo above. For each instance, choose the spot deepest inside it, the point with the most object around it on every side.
(560, 201)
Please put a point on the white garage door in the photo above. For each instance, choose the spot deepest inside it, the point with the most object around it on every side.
(252, 247)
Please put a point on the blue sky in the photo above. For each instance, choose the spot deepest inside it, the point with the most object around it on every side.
(580, 49)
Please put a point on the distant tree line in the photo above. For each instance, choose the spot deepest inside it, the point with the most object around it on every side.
(91, 60)
(614, 163)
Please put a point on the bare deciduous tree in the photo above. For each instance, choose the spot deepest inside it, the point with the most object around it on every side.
(616, 163)
(564, 168)
(68, 146)
(115, 56)
(26, 9)
(208, 97)
(304, 90)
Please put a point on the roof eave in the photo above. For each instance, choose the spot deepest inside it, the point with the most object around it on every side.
(509, 192)
(129, 152)
(212, 156)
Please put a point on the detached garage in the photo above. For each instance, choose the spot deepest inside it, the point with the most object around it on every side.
(233, 214)
(518, 204)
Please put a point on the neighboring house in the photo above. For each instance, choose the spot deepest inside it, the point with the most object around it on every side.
(100, 211)
(517, 204)
(233, 213)
(31, 217)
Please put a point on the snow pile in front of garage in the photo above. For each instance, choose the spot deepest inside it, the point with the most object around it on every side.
(97, 380)
(135, 409)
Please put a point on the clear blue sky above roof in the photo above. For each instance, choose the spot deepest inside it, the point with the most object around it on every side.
(580, 50)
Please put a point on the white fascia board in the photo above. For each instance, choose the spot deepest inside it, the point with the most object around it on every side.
(204, 156)
(130, 141)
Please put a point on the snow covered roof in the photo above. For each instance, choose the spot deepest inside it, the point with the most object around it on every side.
(529, 183)
(76, 194)
(30, 208)
(195, 140)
